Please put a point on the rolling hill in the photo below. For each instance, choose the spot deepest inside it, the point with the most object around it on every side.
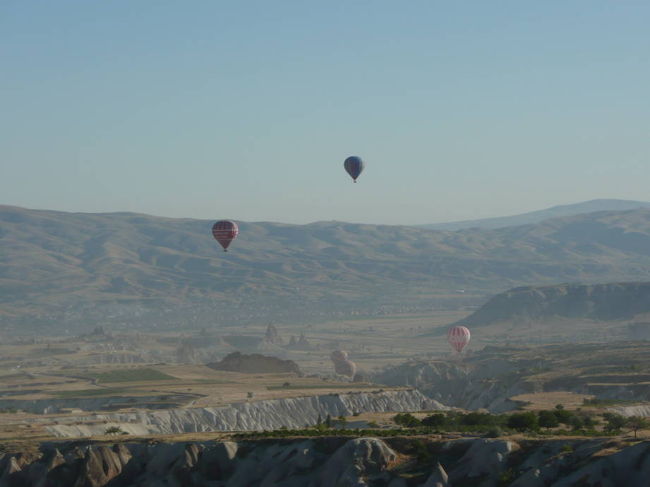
(541, 215)
(599, 302)
(78, 270)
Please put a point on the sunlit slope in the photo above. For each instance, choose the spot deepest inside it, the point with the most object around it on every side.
(55, 260)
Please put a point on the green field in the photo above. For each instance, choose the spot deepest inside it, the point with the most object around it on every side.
(132, 375)
(108, 391)
(322, 386)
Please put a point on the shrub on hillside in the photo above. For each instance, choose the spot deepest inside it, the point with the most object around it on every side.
(547, 419)
(523, 421)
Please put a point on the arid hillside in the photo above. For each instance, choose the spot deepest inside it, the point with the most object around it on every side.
(599, 302)
(69, 268)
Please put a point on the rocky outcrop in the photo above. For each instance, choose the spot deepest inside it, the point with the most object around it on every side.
(261, 415)
(483, 462)
(332, 462)
(601, 302)
(486, 387)
(272, 336)
(490, 378)
(581, 463)
(438, 478)
(357, 462)
(300, 343)
(255, 364)
(642, 410)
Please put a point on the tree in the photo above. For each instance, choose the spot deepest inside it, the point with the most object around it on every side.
(576, 423)
(636, 423)
(436, 420)
(406, 419)
(614, 422)
(562, 415)
(523, 421)
(476, 419)
(547, 419)
(589, 421)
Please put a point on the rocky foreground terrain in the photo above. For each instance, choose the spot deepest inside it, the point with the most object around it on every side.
(332, 462)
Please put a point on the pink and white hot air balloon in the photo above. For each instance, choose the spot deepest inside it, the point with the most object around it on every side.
(224, 232)
(458, 337)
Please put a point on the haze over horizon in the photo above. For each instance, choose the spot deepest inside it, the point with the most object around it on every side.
(538, 215)
(247, 110)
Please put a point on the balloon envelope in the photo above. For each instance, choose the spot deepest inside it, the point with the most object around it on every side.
(458, 337)
(342, 364)
(354, 166)
(224, 232)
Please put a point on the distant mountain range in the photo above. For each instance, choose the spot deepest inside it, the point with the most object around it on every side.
(541, 215)
(82, 270)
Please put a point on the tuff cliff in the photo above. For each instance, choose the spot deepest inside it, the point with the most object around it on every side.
(490, 377)
(252, 416)
(332, 462)
(486, 385)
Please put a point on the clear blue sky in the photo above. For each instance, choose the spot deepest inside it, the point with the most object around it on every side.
(246, 109)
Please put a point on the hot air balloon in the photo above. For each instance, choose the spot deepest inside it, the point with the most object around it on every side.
(353, 165)
(458, 337)
(224, 232)
(342, 364)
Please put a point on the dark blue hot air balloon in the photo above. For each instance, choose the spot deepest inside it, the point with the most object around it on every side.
(353, 165)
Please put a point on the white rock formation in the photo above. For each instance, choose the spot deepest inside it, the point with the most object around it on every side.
(438, 478)
(627, 411)
(485, 457)
(261, 415)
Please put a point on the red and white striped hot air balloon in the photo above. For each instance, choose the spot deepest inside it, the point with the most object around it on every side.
(458, 337)
(224, 232)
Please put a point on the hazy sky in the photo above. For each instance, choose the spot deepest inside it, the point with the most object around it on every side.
(247, 109)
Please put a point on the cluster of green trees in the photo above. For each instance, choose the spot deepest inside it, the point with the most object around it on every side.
(558, 421)
(574, 422)
(318, 432)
